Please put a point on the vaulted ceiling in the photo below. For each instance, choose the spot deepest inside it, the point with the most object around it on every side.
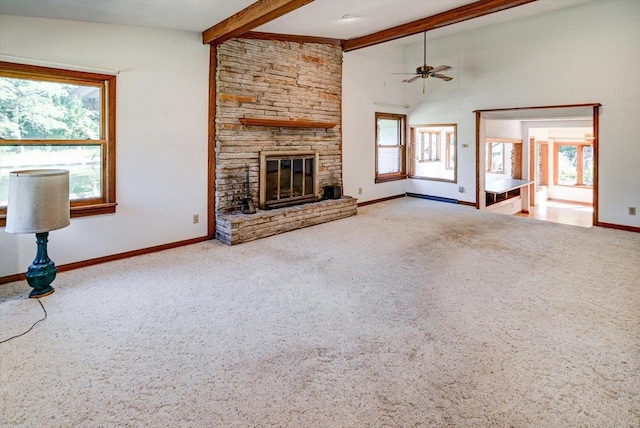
(339, 19)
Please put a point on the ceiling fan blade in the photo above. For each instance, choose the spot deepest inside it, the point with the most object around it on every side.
(440, 68)
(442, 76)
(412, 79)
(404, 73)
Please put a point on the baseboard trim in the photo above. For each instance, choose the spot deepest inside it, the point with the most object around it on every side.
(113, 257)
(12, 278)
(618, 226)
(469, 204)
(433, 198)
(375, 201)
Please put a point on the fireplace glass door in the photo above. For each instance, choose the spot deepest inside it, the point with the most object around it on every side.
(288, 179)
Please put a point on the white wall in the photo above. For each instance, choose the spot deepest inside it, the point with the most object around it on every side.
(511, 129)
(367, 79)
(547, 59)
(161, 135)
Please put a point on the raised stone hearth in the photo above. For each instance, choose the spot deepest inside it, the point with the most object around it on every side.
(238, 228)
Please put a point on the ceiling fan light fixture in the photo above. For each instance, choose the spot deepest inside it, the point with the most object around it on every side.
(425, 71)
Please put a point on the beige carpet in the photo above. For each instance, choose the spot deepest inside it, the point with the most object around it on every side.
(412, 313)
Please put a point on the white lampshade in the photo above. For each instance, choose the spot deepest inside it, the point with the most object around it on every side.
(38, 201)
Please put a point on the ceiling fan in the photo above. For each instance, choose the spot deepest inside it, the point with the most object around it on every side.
(425, 71)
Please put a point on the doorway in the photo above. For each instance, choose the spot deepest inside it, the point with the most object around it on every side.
(553, 154)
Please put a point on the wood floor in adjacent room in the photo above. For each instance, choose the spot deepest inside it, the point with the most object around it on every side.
(562, 212)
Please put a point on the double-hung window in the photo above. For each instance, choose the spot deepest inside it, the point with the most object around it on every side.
(59, 119)
(390, 147)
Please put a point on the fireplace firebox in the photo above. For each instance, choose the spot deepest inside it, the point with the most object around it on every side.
(288, 178)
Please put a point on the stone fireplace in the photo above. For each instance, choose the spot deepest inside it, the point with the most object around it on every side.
(278, 112)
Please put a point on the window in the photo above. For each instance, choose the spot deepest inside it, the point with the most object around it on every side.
(495, 158)
(451, 150)
(429, 146)
(543, 163)
(390, 147)
(573, 164)
(59, 119)
(433, 152)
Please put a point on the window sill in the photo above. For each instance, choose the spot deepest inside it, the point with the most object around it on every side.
(575, 186)
(422, 177)
(384, 179)
(81, 211)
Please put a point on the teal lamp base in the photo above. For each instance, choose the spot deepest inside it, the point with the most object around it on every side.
(42, 271)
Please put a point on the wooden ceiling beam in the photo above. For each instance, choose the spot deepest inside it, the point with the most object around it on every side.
(291, 38)
(247, 19)
(453, 16)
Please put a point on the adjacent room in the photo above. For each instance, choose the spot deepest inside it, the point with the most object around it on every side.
(319, 213)
(554, 149)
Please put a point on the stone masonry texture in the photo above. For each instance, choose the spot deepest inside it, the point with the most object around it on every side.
(274, 79)
(277, 80)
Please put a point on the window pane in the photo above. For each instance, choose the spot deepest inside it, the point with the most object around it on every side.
(567, 165)
(84, 164)
(389, 160)
(436, 148)
(36, 110)
(587, 165)
(389, 131)
(451, 160)
(497, 157)
(424, 146)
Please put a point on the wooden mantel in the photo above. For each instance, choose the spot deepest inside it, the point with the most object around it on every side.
(286, 123)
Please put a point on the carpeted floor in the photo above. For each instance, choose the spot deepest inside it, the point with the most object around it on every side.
(412, 313)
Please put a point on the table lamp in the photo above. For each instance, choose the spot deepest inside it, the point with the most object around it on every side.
(38, 203)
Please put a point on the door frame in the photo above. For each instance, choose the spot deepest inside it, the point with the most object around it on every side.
(520, 113)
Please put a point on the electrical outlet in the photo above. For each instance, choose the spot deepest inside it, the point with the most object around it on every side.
(461, 189)
(196, 218)
(359, 190)
(632, 210)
